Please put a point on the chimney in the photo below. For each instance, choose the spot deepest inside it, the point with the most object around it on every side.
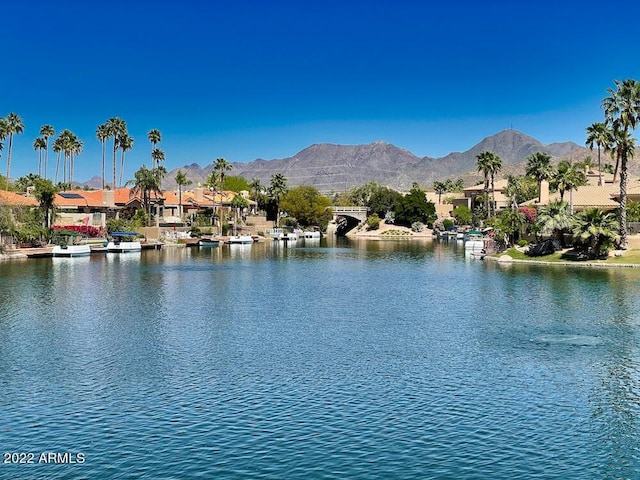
(199, 194)
(544, 193)
(108, 198)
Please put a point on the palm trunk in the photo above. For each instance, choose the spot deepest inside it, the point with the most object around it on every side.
(624, 241)
(615, 171)
(114, 162)
(9, 159)
(121, 168)
(57, 168)
(46, 156)
(599, 169)
(103, 158)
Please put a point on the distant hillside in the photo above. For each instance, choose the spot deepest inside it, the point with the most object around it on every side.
(338, 167)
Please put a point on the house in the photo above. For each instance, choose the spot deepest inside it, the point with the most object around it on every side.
(471, 195)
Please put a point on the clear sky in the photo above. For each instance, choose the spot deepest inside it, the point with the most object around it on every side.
(264, 79)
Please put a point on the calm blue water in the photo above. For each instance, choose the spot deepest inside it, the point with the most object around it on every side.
(372, 360)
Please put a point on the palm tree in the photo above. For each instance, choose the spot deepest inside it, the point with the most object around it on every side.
(4, 131)
(566, 177)
(39, 145)
(116, 127)
(597, 229)
(102, 134)
(157, 156)
(147, 182)
(256, 188)
(221, 166)
(76, 149)
(277, 190)
(440, 188)
(154, 137)
(181, 181)
(483, 161)
(622, 113)
(554, 219)
(125, 142)
(600, 135)
(14, 126)
(46, 132)
(45, 193)
(539, 167)
(57, 149)
(494, 165)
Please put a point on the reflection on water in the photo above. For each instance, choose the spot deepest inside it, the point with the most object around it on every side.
(337, 359)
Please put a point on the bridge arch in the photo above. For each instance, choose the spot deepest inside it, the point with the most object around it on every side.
(349, 217)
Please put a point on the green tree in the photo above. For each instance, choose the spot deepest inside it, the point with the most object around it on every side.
(462, 215)
(384, 200)
(23, 183)
(539, 167)
(308, 206)
(622, 111)
(235, 183)
(14, 125)
(181, 180)
(45, 193)
(415, 208)
(598, 134)
(596, 230)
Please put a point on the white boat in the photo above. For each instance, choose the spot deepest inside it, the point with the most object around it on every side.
(474, 241)
(311, 234)
(240, 239)
(71, 245)
(124, 242)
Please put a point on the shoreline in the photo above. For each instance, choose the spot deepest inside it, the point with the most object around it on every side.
(508, 260)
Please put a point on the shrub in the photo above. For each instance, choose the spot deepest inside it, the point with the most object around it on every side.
(417, 226)
(373, 221)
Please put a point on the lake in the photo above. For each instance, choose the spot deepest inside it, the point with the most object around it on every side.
(359, 360)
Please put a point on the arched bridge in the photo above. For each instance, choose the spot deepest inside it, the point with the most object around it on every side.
(347, 218)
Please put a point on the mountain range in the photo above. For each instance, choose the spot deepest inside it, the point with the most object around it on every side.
(333, 168)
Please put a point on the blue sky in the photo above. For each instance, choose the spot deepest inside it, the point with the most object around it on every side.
(264, 79)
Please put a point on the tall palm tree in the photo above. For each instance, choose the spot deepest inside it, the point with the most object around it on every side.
(125, 142)
(116, 127)
(539, 167)
(622, 113)
(39, 145)
(181, 180)
(154, 137)
(277, 190)
(14, 126)
(483, 159)
(157, 155)
(102, 134)
(600, 135)
(147, 182)
(57, 149)
(4, 131)
(256, 188)
(46, 132)
(489, 164)
(76, 149)
(220, 167)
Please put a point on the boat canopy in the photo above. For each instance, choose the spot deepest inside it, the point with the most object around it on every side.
(123, 234)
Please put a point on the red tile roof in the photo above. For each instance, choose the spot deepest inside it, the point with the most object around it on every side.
(17, 200)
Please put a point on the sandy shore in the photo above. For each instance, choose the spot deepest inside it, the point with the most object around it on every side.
(403, 232)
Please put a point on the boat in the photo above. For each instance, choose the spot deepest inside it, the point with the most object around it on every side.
(240, 239)
(311, 234)
(71, 245)
(474, 241)
(209, 242)
(124, 242)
